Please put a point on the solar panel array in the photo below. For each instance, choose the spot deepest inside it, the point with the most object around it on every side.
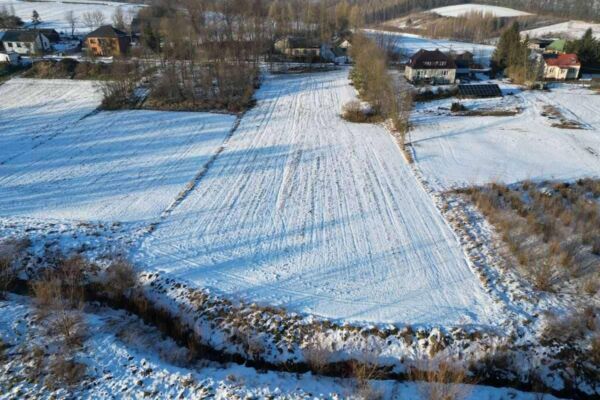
(478, 91)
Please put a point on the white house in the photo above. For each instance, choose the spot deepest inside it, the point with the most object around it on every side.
(11, 58)
(561, 67)
(25, 42)
(431, 67)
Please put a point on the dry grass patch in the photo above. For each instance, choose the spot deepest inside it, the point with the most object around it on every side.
(355, 111)
(11, 250)
(552, 230)
(441, 381)
(317, 354)
(120, 278)
(363, 372)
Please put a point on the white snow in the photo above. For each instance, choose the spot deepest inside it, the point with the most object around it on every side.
(408, 44)
(128, 359)
(53, 12)
(462, 9)
(569, 29)
(307, 211)
(113, 166)
(460, 150)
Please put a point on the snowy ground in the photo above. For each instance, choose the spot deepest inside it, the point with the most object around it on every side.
(309, 212)
(128, 359)
(569, 29)
(464, 150)
(461, 9)
(52, 12)
(110, 166)
(408, 44)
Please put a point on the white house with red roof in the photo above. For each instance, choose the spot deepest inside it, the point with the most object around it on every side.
(561, 67)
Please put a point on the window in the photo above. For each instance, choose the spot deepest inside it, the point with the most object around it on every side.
(19, 45)
(10, 44)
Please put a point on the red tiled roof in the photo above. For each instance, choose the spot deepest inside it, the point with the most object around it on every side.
(563, 61)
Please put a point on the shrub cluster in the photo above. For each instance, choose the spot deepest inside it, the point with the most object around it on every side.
(376, 86)
(553, 230)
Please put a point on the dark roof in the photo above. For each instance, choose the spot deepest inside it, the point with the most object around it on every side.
(478, 91)
(425, 59)
(296, 42)
(20, 35)
(107, 31)
(51, 34)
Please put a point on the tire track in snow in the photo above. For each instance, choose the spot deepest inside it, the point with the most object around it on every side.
(192, 184)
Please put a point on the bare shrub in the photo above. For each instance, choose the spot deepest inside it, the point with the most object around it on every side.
(542, 277)
(591, 286)
(59, 298)
(564, 328)
(594, 352)
(64, 371)
(70, 325)
(363, 372)
(353, 111)
(120, 277)
(596, 246)
(10, 251)
(550, 228)
(443, 381)
(47, 291)
(7, 274)
(317, 354)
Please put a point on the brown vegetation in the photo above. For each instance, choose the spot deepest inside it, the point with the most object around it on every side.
(317, 354)
(68, 68)
(551, 229)
(376, 86)
(364, 372)
(443, 380)
(11, 250)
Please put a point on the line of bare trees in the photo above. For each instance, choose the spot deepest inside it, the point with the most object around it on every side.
(377, 86)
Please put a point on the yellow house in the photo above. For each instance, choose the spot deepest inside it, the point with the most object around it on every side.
(107, 41)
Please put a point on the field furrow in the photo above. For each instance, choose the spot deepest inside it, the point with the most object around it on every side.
(307, 211)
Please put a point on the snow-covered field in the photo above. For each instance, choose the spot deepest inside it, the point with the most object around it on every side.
(569, 29)
(465, 150)
(111, 166)
(462, 9)
(309, 212)
(52, 12)
(408, 44)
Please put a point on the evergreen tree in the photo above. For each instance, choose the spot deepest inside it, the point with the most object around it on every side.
(508, 48)
(587, 49)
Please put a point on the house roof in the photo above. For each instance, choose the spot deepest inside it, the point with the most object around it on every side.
(51, 34)
(296, 42)
(425, 59)
(557, 45)
(107, 31)
(563, 61)
(20, 35)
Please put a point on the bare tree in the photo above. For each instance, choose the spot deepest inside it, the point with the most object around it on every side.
(93, 19)
(118, 19)
(35, 18)
(71, 20)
